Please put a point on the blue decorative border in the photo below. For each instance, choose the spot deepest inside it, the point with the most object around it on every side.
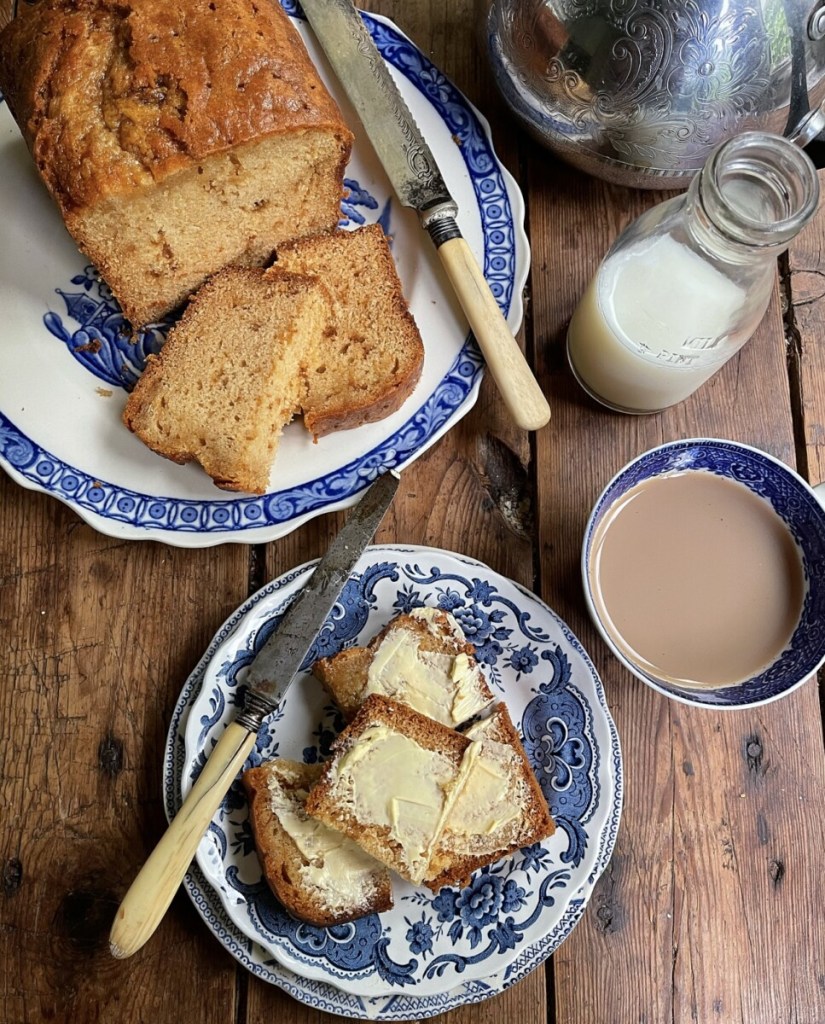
(81, 490)
(320, 994)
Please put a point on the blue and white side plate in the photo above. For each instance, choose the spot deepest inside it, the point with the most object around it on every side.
(515, 912)
(65, 364)
(251, 955)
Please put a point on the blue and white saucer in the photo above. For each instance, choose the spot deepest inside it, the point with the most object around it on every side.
(65, 363)
(515, 912)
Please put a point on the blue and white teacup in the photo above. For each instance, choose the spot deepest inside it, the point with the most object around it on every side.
(802, 510)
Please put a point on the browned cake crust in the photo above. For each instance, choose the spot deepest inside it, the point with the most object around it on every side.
(345, 674)
(176, 138)
(281, 859)
(456, 856)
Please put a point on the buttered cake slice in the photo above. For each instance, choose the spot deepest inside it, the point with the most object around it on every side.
(429, 802)
(388, 783)
(318, 874)
(422, 659)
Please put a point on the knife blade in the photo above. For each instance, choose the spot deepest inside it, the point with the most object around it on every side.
(418, 183)
(269, 676)
(275, 666)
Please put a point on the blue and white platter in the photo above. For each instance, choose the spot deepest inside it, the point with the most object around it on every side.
(65, 363)
(444, 949)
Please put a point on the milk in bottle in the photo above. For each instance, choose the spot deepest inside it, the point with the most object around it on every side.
(685, 285)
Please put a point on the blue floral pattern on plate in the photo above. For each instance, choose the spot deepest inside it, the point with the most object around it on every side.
(107, 487)
(427, 943)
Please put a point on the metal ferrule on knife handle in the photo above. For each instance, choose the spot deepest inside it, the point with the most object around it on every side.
(439, 221)
(255, 710)
(414, 174)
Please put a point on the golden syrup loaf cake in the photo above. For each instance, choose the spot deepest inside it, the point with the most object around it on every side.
(387, 782)
(256, 347)
(318, 874)
(373, 355)
(422, 659)
(229, 376)
(176, 138)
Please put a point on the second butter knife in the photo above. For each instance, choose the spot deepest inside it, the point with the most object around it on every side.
(414, 174)
(267, 680)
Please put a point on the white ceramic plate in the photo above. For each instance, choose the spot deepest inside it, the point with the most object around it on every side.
(60, 401)
(514, 912)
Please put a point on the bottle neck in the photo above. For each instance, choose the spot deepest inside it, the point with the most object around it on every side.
(753, 196)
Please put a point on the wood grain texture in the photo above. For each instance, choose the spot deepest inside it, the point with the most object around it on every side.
(806, 264)
(699, 916)
(99, 637)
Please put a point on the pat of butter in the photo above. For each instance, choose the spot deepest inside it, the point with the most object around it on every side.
(439, 685)
(393, 782)
(486, 802)
(433, 615)
(485, 797)
(337, 868)
(467, 700)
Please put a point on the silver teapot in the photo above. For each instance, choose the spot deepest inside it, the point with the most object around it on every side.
(640, 91)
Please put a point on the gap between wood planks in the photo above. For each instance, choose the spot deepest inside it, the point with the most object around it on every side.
(793, 343)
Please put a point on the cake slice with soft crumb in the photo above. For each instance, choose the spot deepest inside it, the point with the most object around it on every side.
(318, 874)
(372, 356)
(254, 348)
(422, 659)
(230, 375)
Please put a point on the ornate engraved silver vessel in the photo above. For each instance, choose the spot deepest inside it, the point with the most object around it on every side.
(640, 91)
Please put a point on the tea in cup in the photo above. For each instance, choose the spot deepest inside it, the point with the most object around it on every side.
(704, 570)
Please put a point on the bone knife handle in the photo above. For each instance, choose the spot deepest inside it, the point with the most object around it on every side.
(518, 387)
(157, 882)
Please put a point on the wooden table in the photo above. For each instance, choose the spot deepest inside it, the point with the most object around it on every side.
(711, 909)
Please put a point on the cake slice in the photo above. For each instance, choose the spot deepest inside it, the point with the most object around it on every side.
(387, 784)
(229, 377)
(422, 659)
(372, 356)
(429, 802)
(499, 809)
(317, 874)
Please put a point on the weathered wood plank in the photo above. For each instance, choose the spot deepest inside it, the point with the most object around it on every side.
(702, 914)
(806, 261)
(99, 637)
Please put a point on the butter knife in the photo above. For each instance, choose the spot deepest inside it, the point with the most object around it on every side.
(417, 181)
(268, 678)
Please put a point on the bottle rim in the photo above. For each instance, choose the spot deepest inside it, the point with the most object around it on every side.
(765, 167)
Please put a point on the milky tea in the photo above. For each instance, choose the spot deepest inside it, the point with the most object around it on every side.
(697, 580)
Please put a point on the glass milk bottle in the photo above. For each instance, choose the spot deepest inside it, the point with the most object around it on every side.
(686, 284)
